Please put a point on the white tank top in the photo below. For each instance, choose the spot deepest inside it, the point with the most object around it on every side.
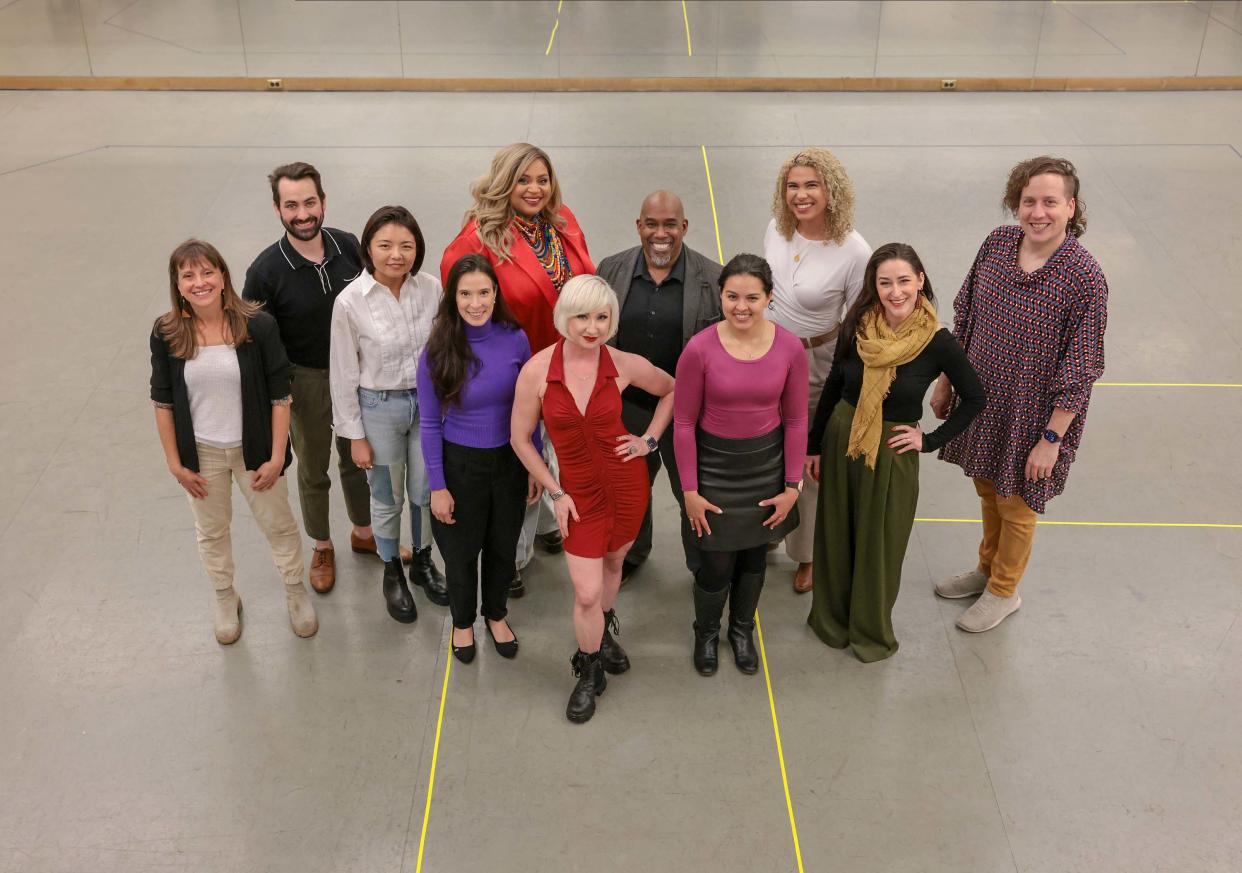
(213, 381)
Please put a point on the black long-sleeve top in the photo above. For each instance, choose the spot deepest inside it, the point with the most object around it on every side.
(905, 399)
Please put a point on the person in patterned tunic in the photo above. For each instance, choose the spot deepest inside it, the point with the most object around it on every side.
(1031, 316)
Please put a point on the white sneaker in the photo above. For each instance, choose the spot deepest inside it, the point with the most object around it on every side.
(987, 612)
(966, 584)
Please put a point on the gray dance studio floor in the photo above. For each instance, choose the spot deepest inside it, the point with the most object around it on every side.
(1097, 730)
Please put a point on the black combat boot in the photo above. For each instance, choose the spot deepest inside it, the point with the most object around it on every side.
(611, 655)
(427, 575)
(591, 684)
(400, 601)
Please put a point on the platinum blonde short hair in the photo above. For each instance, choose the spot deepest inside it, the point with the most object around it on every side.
(582, 295)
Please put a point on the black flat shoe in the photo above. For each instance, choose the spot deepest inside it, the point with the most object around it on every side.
(517, 588)
(505, 650)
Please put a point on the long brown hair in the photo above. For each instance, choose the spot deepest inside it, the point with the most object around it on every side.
(178, 326)
(449, 356)
(869, 297)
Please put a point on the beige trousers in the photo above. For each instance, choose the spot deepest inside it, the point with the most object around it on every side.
(213, 517)
(800, 544)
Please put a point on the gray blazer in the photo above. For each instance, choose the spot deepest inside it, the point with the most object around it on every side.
(701, 298)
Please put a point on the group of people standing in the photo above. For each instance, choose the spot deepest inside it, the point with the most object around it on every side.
(525, 396)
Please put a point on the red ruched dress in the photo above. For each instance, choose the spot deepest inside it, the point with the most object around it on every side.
(609, 493)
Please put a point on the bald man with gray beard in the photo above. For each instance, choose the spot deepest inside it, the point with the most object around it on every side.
(667, 293)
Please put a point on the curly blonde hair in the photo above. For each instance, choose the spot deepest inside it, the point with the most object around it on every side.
(840, 216)
(492, 212)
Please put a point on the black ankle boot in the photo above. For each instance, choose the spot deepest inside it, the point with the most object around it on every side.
(708, 605)
(400, 601)
(424, 573)
(611, 655)
(746, 589)
(591, 684)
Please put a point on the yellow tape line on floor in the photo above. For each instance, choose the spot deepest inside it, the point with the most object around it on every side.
(1096, 523)
(780, 752)
(685, 16)
(435, 755)
(555, 25)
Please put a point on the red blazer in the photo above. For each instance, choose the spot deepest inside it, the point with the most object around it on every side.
(523, 281)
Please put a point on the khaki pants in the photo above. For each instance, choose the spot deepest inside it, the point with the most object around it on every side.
(213, 517)
(1008, 534)
(800, 544)
(310, 429)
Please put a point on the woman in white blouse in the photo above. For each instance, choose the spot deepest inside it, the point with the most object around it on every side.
(818, 260)
(380, 325)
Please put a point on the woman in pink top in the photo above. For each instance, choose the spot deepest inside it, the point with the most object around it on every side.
(740, 428)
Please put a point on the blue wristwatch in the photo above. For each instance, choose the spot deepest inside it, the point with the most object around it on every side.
(1052, 436)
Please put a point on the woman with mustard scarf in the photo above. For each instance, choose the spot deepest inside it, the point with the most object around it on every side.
(867, 431)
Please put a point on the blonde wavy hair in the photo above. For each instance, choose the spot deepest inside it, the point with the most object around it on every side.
(840, 216)
(491, 210)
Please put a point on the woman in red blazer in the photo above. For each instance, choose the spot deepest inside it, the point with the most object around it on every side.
(535, 245)
(532, 240)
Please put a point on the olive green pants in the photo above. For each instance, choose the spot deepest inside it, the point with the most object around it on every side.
(310, 430)
(862, 529)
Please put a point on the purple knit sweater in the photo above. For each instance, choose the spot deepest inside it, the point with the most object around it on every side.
(480, 418)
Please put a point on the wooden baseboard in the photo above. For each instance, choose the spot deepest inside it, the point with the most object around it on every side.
(621, 83)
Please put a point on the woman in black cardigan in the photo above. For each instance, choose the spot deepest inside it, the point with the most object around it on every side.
(220, 385)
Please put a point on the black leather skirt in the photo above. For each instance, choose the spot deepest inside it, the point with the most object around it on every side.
(735, 475)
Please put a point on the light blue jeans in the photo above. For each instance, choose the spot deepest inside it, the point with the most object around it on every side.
(390, 422)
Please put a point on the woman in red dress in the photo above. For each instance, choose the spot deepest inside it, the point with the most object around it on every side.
(601, 497)
(533, 241)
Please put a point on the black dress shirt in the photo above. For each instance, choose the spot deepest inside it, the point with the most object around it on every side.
(651, 322)
(299, 293)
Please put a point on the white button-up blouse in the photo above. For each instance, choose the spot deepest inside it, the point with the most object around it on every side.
(376, 341)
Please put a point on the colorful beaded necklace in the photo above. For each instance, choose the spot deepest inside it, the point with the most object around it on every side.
(545, 242)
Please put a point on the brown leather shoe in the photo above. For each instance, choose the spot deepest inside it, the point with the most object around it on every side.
(367, 547)
(802, 579)
(363, 546)
(323, 570)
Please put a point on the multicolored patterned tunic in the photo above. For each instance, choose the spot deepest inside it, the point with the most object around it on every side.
(1037, 342)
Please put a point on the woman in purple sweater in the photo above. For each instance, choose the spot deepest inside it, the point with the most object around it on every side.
(739, 430)
(479, 489)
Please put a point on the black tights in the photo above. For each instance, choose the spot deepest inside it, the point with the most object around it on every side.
(720, 569)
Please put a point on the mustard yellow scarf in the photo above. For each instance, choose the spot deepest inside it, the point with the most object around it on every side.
(883, 350)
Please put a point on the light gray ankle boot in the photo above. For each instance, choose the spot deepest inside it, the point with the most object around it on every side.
(228, 616)
(301, 611)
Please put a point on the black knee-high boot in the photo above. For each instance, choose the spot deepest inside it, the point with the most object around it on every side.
(745, 600)
(591, 684)
(708, 607)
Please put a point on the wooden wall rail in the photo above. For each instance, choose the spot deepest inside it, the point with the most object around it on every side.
(615, 83)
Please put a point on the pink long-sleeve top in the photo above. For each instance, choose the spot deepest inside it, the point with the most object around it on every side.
(737, 399)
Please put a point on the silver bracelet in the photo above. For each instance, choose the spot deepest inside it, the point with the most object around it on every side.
(556, 495)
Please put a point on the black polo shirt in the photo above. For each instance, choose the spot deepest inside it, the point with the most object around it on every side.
(299, 293)
(651, 321)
